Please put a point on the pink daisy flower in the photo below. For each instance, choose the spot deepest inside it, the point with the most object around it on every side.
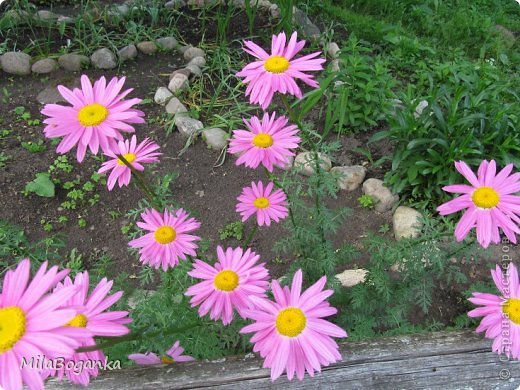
(32, 324)
(228, 284)
(501, 312)
(174, 355)
(290, 333)
(269, 142)
(263, 202)
(168, 240)
(91, 309)
(90, 363)
(97, 117)
(144, 153)
(489, 201)
(278, 71)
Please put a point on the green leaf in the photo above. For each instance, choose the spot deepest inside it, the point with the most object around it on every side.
(42, 185)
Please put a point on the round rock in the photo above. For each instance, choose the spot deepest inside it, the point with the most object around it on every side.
(73, 62)
(44, 66)
(147, 47)
(104, 59)
(194, 70)
(162, 95)
(175, 106)
(407, 223)
(305, 164)
(184, 71)
(351, 277)
(167, 43)
(178, 83)
(384, 198)
(350, 178)
(215, 138)
(17, 63)
(187, 126)
(198, 61)
(127, 53)
(192, 52)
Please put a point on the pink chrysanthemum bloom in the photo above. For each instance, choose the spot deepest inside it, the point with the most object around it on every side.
(290, 333)
(174, 355)
(277, 72)
(228, 284)
(501, 312)
(168, 240)
(269, 142)
(79, 368)
(489, 201)
(32, 324)
(97, 117)
(144, 153)
(263, 202)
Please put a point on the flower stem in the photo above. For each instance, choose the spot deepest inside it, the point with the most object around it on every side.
(134, 336)
(140, 180)
(250, 236)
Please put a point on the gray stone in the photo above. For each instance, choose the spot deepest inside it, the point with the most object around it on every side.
(184, 71)
(288, 163)
(194, 70)
(175, 4)
(310, 30)
(162, 95)
(274, 11)
(350, 177)
(198, 61)
(65, 19)
(147, 47)
(167, 43)
(215, 138)
(104, 59)
(73, 62)
(17, 63)
(305, 164)
(45, 16)
(187, 126)
(407, 223)
(192, 52)
(44, 66)
(178, 83)
(334, 65)
(420, 108)
(122, 9)
(183, 49)
(333, 49)
(383, 197)
(351, 277)
(175, 106)
(127, 53)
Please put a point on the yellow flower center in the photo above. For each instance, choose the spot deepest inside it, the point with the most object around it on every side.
(130, 157)
(12, 327)
(167, 360)
(80, 321)
(276, 64)
(291, 322)
(165, 234)
(92, 114)
(226, 280)
(511, 308)
(485, 197)
(261, 203)
(263, 140)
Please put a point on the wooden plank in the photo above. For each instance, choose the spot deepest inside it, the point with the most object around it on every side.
(442, 360)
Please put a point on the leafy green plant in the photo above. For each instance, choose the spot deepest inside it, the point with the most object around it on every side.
(42, 185)
(366, 201)
(361, 94)
(4, 158)
(232, 230)
(34, 147)
(471, 117)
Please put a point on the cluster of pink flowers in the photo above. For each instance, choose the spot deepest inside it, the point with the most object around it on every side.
(50, 317)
